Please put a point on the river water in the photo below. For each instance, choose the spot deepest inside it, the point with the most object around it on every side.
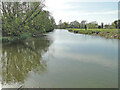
(60, 59)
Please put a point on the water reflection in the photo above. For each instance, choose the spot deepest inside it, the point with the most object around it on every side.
(19, 58)
(71, 61)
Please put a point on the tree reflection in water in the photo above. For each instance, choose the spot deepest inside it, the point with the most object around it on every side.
(19, 58)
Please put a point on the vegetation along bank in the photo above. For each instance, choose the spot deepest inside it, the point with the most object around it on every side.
(108, 33)
(92, 28)
(24, 19)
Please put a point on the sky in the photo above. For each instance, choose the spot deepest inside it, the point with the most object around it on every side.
(105, 11)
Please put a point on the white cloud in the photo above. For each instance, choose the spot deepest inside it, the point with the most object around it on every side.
(101, 13)
(74, 15)
(61, 10)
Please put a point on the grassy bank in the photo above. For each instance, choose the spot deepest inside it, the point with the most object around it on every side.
(22, 36)
(15, 38)
(108, 33)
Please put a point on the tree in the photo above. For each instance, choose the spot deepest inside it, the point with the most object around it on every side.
(85, 27)
(109, 26)
(99, 27)
(92, 25)
(75, 24)
(64, 25)
(24, 17)
(102, 24)
(60, 24)
(82, 24)
(116, 24)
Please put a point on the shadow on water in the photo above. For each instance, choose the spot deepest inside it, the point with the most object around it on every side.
(21, 57)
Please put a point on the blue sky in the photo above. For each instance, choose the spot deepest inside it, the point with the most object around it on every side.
(70, 10)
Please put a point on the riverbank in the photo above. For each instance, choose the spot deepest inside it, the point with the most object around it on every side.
(22, 36)
(15, 38)
(107, 33)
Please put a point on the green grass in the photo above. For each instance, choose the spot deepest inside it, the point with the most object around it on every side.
(95, 29)
(108, 33)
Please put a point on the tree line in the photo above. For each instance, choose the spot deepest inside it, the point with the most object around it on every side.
(25, 17)
(91, 25)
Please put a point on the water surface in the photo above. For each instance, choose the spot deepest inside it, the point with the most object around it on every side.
(61, 59)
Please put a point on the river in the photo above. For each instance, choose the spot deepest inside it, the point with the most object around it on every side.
(60, 59)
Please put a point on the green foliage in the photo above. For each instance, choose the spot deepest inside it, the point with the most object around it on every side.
(24, 35)
(90, 25)
(25, 17)
(64, 25)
